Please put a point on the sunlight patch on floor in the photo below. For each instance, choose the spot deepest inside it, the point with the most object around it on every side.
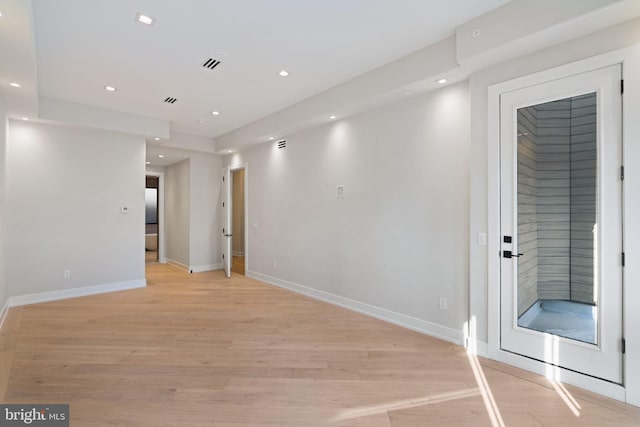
(485, 390)
(364, 411)
(566, 397)
(552, 356)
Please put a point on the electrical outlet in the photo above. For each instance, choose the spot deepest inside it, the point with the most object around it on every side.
(66, 274)
(443, 303)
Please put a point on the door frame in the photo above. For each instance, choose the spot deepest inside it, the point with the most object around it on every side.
(602, 358)
(630, 391)
(232, 168)
(162, 259)
(227, 224)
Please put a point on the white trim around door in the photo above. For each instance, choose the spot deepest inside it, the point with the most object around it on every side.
(245, 166)
(629, 391)
(162, 258)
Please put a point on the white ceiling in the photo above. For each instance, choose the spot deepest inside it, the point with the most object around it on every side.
(83, 45)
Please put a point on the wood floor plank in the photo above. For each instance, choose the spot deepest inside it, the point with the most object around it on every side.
(204, 350)
(8, 340)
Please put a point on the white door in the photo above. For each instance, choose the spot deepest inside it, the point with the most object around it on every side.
(561, 223)
(227, 234)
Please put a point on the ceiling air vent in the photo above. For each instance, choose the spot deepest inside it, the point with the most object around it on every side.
(211, 63)
(170, 100)
(282, 144)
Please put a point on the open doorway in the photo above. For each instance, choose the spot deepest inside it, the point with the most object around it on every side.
(151, 239)
(238, 220)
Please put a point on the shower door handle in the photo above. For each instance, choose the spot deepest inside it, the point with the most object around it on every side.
(509, 254)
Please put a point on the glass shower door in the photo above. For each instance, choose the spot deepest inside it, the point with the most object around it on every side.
(561, 285)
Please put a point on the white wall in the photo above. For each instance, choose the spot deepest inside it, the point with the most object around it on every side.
(191, 215)
(184, 141)
(398, 239)
(204, 216)
(158, 169)
(65, 188)
(177, 208)
(4, 287)
(81, 115)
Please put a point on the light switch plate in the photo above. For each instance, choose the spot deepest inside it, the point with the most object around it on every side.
(482, 239)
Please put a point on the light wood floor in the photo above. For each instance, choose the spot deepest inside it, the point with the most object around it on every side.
(150, 257)
(203, 350)
(237, 266)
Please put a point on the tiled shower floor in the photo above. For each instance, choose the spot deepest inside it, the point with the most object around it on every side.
(567, 319)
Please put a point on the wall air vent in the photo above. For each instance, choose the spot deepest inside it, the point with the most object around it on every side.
(211, 63)
(170, 100)
(282, 144)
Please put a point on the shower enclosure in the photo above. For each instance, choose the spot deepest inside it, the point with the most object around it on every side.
(557, 217)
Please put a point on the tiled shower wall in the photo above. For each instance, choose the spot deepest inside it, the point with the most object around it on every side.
(556, 200)
(583, 196)
(527, 209)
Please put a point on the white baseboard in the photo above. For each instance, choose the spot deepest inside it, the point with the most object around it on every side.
(177, 264)
(586, 382)
(76, 292)
(481, 349)
(238, 253)
(409, 322)
(194, 268)
(3, 313)
(206, 267)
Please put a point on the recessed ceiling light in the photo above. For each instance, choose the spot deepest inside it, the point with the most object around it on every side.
(15, 84)
(148, 163)
(26, 119)
(283, 73)
(215, 113)
(332, 117)
(202, 121)
(1, 14)
(156, 138)
(145, 19)
(442, 81)
(110, 88)
(271, 138)
(161, 156)
(229, 151)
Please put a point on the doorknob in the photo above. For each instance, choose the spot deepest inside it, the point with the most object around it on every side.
(509, 254)
(228, 235)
